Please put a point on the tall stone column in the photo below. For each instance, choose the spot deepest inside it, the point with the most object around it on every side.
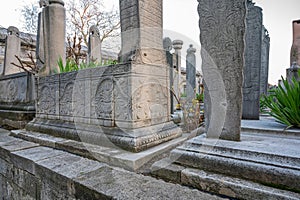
(54, 35)
(190, 74)
(40, 44)
(251, 86)
(222, 30)
(177, 45)
(12, 49)
(142, 48)
(141, 31)
(264, 72)
(167, 44)
(295, 50)
(94, 45)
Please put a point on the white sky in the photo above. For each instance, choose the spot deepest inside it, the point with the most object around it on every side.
(181, 22)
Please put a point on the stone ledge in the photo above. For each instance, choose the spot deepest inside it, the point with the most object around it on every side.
(112, 154)
(62, 175)
(217, 183)
(134, 140)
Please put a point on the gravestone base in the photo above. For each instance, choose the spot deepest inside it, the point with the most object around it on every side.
(133, 140)
(11, 117)
(259, 167)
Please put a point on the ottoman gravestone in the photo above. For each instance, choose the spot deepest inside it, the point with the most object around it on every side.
(53, 30)
(295, 53)
(12, 49)
(265, 51)
(295, 50)
(251, 85)
(222, 65)
(94, 45)
(191, 73)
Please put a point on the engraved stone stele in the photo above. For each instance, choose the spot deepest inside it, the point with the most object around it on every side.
(295, 50)
(265, 51)
(222, 29)
(12, 49)
(94, 48)
(251, 85)
(191, 73)
(53, 22)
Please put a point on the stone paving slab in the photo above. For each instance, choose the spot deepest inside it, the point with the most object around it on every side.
(268, 125)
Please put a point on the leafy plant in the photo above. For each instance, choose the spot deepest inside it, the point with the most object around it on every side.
(199, 97)
(68, 67)
(284, 102)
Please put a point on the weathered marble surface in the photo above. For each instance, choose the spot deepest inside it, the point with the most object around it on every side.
(295, 50)
(141, 31)
(53, 35)
(94, 45)
(252, 69)
(17, 96)
(265, 51)
(126, 103)
(222, 30)
(29, 171)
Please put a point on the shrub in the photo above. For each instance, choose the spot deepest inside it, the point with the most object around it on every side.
(284, 103)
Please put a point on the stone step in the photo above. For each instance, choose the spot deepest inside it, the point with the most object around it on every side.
(112, 155)
(247, 152)
(287, 178)
(268, 125)
(218, 183)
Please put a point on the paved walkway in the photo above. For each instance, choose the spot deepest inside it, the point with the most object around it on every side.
(268, 125)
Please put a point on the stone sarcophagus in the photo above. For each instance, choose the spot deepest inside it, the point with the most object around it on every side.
(16, 100)
(125, 105)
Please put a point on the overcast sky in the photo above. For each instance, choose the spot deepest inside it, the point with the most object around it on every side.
(181, 22)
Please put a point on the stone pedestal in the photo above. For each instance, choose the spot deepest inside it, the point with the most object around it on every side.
(12, 49)
(252, 69)
(222, 29)
(123, 105)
